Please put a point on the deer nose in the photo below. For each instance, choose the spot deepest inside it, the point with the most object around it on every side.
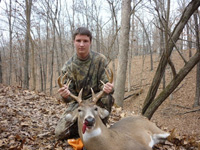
(89, 121)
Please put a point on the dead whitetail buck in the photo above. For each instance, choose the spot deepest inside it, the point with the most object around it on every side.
(130, 133)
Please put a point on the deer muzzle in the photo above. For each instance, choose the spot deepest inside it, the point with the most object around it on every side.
(88, 123)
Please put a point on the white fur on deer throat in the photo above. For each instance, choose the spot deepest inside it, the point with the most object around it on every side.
(91, 133)
(156, 138)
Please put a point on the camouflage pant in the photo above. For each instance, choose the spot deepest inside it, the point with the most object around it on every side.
(67, 130)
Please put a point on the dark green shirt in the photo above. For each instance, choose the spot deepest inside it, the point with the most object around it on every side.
(86, 74)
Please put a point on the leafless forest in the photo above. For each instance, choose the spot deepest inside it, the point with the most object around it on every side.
(36, 40)
(153, 48)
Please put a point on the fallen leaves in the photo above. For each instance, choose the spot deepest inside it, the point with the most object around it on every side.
(27, 119)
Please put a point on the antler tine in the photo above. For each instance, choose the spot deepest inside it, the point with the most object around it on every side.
(61, 84)
(63, 78)
(59, 81)
(96, 97)
(68, 83)
(79, 98)
(110, 78)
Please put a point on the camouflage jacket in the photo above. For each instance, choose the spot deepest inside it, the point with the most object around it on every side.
(85, 74)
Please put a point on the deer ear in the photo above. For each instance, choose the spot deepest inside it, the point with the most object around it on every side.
(72, 116)
(103, 113)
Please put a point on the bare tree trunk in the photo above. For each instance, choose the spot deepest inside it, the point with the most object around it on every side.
(1, 74)
(189, 40)
(10, 45)
(131, 53)
(53, 19)
(148, 41)
(114, 42)
(21, 58)
(28, 29)
(52, 64)
(60, 58)
(129, 70)
(98, 46)
(71, 21)
(123, 52)
(166, 37)
(197, 96)
(41, 74)
(40, 60)
(161, 40)
(45, 64)
(61, 37)
(151, 104)
(41, 67)
(33, 63)
(181, 43)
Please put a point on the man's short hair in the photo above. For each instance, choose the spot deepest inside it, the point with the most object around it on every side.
(82, 31)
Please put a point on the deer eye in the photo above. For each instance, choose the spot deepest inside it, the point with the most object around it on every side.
(96, 109)
(79, 110)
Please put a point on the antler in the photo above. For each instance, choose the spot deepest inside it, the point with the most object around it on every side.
(61, 84)
(96, 97)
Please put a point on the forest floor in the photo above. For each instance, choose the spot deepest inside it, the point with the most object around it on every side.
(28, 118)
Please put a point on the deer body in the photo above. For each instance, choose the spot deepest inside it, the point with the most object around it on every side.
(131, 133)
(112, 139)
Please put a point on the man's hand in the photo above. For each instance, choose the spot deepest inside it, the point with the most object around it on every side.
(108, 87)
(64, 92)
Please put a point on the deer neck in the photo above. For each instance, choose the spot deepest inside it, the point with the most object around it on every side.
(99, 133)
(98, 139)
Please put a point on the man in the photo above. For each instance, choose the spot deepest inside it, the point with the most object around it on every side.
(85, 69)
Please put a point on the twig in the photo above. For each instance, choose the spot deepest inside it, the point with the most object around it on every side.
(189, 111)
(134, 94)
(178, 88)
(181, 106)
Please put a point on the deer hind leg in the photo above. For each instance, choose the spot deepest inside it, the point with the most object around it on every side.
(158, 138)
(156, 134)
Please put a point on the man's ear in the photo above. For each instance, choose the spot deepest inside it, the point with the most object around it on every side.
(103, 113)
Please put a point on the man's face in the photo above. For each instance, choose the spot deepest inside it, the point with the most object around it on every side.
(82, 44)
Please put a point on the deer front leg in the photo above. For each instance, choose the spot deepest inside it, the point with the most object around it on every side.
(67, 127)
